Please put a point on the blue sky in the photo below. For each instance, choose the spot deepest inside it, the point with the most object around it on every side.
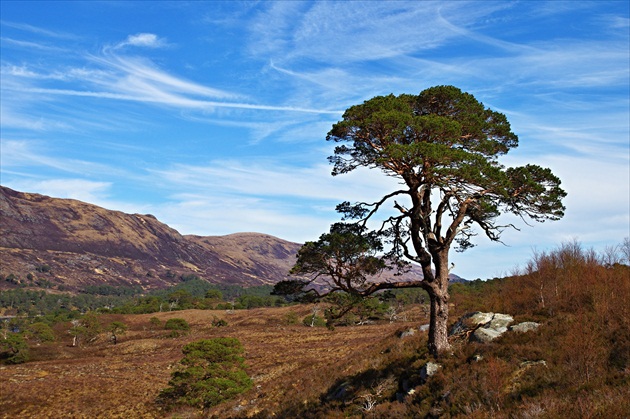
(213, 115)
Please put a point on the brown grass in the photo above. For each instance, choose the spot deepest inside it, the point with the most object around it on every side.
(289, 364)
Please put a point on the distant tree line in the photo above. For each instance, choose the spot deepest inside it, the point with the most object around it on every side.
(194, 293)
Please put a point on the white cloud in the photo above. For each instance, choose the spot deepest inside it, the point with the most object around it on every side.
(341, 33)
(136, 70)
(145, 40)
(131, 79)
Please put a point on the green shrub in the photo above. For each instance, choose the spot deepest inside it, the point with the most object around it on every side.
(217, 322)
(211, 372)
(154, 322)
(13, 349)
(41, 332)
(314, 321)
(213, 294)
(291, 317)
(43, 268)
(177, 324)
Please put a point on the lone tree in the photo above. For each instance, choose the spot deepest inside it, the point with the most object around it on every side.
(443, 147)
(116, 329)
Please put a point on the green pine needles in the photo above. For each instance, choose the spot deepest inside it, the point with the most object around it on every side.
(212, 371)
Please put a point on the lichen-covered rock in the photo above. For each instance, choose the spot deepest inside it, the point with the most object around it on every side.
(482, 327)
(428, 370)
(407, 333)
(485, 335)
(501, 321)
(524, 327)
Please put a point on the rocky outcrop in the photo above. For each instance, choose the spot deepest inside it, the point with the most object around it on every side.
(482, 327)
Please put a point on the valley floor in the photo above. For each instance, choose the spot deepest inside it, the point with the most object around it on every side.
(288, 362)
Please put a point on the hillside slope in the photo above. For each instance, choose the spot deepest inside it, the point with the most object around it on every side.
(74, 244)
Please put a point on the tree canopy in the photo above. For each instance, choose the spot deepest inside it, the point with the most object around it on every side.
(444, 145)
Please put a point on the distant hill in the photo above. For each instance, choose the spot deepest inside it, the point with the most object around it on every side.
(73, 244)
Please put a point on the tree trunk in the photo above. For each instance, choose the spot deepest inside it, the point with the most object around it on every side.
(438, 327)
(439, 297)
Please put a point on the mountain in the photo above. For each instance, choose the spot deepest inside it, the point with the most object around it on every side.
(72, 244)
(68, 244)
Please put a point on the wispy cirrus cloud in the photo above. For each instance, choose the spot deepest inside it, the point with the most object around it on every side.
(274, 178)
(10, 42)
(66, 74)
(325, 48)
(337, 34)
(559, 65)
(38, 30)
(32, 153)
(355, 34)
(34, 38)
(150, 94)
(114, 77)
(137, 70)
(70, 188)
